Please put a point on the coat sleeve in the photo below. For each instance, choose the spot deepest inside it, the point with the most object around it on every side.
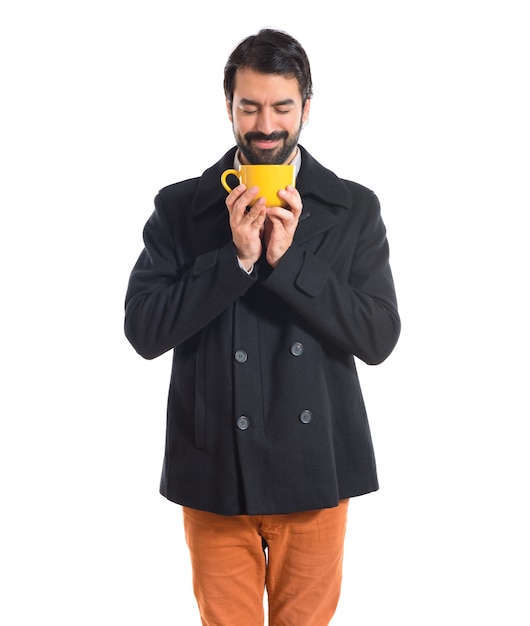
(345, 289)
(174, 293)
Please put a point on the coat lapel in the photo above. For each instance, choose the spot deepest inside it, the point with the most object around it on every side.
(208, 204)
(324, 197)
(210, 194)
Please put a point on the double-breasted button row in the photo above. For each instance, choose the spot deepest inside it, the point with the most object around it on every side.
(243, 422)
(296, 349)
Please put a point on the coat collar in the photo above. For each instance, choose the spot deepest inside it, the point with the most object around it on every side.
(317, 182)
(324, 195)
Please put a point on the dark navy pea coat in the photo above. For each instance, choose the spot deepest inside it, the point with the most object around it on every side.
(265, 412)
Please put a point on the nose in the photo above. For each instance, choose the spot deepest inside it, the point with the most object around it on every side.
(265, 122)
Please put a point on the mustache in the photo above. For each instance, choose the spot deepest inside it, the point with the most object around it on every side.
(274, 136)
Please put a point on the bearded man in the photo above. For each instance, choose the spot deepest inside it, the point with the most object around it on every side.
(266, 310)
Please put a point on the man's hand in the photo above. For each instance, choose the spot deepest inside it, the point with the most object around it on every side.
(281, 225)
(246, 224)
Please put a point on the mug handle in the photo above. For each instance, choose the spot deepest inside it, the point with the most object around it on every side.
(224, 176)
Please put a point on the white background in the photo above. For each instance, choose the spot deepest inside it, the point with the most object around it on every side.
(103, 103)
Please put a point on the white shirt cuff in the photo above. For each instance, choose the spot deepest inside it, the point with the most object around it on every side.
(249, 271)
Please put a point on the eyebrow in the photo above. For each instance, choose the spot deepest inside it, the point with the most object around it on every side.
(280, 103)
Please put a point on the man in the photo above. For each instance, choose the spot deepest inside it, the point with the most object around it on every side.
(265, 309)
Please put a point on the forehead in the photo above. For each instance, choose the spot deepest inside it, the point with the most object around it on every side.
(258, 87)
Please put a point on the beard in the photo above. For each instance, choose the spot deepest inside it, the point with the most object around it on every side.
(266, 156)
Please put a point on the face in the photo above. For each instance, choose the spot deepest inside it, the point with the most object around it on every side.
(267, 117)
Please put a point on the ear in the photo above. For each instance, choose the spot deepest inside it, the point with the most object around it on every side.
(305, 112)
(229, 109)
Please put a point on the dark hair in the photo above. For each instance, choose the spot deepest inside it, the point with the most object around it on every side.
(270, 52)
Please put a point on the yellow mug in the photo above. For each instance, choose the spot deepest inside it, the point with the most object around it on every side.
(269, 178)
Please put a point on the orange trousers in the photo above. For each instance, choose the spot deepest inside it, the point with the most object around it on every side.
(296, 557)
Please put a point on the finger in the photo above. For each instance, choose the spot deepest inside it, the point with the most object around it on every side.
(257, 212)
(285, 215)
(243, 202)
(234, 195)
(291, 196)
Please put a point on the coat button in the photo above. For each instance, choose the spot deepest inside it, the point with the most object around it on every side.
(243, 422)
(297, 348)
(305, 416)
(241, 356)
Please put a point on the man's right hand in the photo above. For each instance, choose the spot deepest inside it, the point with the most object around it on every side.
(246, 224)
